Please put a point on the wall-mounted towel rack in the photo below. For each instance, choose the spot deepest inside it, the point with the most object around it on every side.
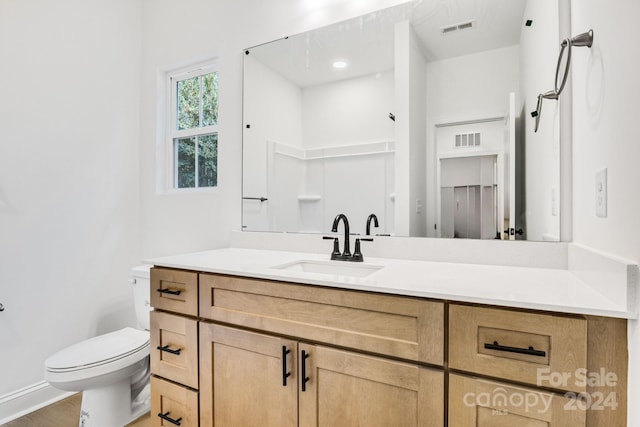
(584, 39)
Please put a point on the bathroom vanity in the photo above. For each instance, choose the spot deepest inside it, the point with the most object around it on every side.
(256, 337)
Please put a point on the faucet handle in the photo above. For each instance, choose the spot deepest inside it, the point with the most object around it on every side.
(357, 255)
(335, 254)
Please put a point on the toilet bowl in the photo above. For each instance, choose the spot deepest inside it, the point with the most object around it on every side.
(111, 370)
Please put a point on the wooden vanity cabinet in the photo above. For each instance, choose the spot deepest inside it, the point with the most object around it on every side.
(249, 379)
(268, 353)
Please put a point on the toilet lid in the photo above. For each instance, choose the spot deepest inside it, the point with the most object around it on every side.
(99, 350)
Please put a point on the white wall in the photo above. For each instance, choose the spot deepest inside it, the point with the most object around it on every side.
(357, 109)
(69, 125)
(410, 110)
(605, 135)
(539, 49)
(418, 95)
(175, 34)
(472, 86)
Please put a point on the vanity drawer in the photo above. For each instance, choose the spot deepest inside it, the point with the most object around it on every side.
(527, 347)
(174, 290)
(174, 348)
(174, 402)
(480, 403)
(404, 327)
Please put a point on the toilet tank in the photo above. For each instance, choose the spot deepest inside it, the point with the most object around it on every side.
(141, 294)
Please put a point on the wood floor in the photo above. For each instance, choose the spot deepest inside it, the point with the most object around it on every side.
(65, 413)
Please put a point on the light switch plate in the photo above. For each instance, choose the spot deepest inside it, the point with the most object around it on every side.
(601, 193)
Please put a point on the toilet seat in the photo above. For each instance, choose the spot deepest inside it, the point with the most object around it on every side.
(99, 350)
(116, 354)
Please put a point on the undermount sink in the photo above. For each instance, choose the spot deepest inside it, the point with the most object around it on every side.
(336, 268)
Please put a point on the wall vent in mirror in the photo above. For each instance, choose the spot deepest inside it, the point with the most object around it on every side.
(468, 139)
(468, 25)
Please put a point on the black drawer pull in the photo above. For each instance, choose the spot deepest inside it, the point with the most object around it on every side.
(166, 417)
(285, 373)
(169, 291)
(530, 351)
(169, 350)
(305, 379)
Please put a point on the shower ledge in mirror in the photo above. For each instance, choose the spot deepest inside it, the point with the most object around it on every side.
(332, 151)
(309, 198)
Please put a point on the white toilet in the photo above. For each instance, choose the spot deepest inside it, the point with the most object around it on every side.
(111, 370)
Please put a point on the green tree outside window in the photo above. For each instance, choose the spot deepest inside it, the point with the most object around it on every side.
(197, 108)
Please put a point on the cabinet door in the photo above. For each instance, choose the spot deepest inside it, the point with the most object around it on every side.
(246, 378)
(348, 389)
(480, 403)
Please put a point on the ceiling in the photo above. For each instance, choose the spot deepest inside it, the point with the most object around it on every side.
(366, 43)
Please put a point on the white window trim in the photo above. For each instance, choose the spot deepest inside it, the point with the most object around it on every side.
(168, 105)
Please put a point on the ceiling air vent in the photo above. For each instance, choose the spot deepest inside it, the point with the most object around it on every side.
(468, 139)
(457, 27)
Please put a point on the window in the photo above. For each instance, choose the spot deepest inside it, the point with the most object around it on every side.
(194, 128)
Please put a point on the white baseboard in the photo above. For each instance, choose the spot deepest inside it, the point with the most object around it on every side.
(21, 402)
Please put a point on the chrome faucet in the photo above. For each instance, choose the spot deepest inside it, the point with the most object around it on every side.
(375, 223)
(346, 253)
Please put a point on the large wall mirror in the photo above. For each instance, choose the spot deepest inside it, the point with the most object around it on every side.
(419, 114)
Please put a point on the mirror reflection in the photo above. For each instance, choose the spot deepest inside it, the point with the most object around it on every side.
(418, 114)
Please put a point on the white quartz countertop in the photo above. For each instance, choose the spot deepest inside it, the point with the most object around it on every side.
(524, 287)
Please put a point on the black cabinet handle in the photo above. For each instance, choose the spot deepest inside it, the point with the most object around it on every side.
(169, 350)
(529, 351)
(305, 378)
(166, 417)
(285, 374)
(169, 291)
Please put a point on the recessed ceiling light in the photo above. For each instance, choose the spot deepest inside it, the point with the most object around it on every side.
(339, 64)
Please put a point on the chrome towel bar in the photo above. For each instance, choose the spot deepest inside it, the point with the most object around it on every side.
(583, 39)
